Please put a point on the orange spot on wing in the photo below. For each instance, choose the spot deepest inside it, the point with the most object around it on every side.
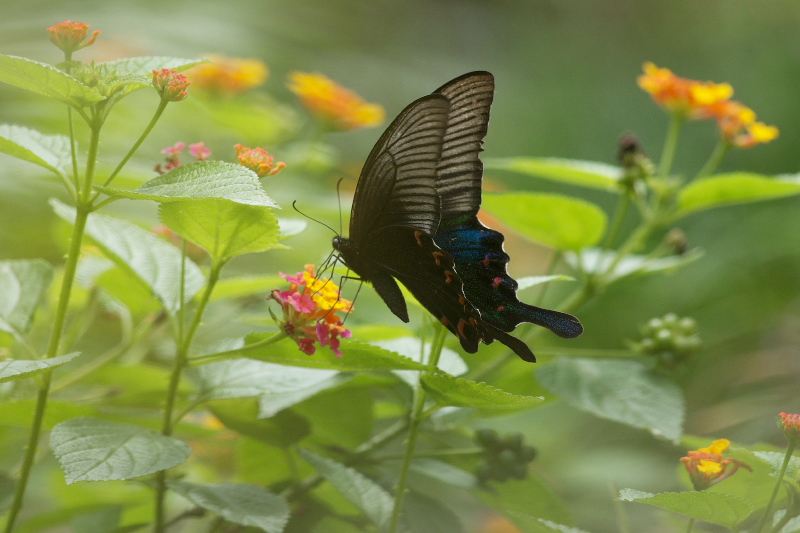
(461, 325)
(496, 282)
(438, 257)
(418, 236)
(448, 276)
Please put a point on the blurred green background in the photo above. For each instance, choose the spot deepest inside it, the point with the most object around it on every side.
(566, 87)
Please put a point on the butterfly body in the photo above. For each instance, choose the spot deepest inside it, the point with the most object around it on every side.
(414, 220)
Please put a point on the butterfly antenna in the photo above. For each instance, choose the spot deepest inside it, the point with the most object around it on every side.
(339, 199)
(314, 219)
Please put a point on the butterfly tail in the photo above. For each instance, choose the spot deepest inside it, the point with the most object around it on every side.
(562, 324)
(518, 347)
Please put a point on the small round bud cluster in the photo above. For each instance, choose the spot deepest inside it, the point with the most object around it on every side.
(504, 457)
(671, 339)
(635, 163)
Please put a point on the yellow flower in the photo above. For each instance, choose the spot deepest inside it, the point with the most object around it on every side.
(335, 105)
(229, 75)
(718, 446)
(681, 95)
(707, 467)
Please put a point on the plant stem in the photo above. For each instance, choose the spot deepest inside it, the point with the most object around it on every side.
(60, 319)
(415, 417)
(714, 159)
(690, 526)
(616, 223)
(181, 357)
(670, 145)
(788, 457)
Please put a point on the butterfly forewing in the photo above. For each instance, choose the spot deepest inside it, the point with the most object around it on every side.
(397, 186)
(460, 169)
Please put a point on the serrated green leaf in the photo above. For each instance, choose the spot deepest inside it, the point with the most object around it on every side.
(531, 281)
(248, 505)
(734, 188)
(595, 261)
(17, 369)
(22, 284)
(619, 390)
(46, 80)
(775, 460)
(90, 449)
(356, 356)
(49, 151)
(531, 524)
(153, 260)
(412, 347)
(583, 173)
(557, 221)
(361, 491)
(238, 287)
(201, 180)
(223, 228)
(450, 390)
(715, 507)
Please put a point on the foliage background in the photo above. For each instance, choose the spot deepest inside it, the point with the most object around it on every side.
(566, 87)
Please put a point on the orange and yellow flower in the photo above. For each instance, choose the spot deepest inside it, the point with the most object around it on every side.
(707, 466)
(229, 75)
(71, 36)
(309, 311)
(341, 108)
(258, 160)
(170, 85)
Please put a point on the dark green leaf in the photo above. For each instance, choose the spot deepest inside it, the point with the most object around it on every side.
(49, 151)
(574, 172)
(241, 415)
(16, 369)
(248, 505)
(22, 285)
(620, 390)
(715, 507)
(450, 390)
(90, 449)
(46, 80)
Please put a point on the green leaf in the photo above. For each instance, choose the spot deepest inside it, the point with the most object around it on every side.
(248, 505)
(130, 74)
(734, 188)
(531, 281)
(103, 520)
(46, 80)
(361, 491)
(224, 228)
(202, 179)
(531, 496)
(90, 449)
(49, 151)
(620, 390)
(574, 172)
(242, 415)
(22, 285)
(237, 287)
(16, 369)
(594, 261)
(356, 356)
(153, 260)
(270, 404)
(423, 513)
(716, 507)
(450, 390)
(291, 227)
(531, 524)
(775, 461)
(557, 221)
(412, 347)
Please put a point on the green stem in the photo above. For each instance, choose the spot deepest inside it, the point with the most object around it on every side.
(619, 218)
(670, 145)
(714, 159)
(415, 417)
(161, 106)
(181, 357)
(778, 482)
(690, 526)
(81, 216)
(85, 191)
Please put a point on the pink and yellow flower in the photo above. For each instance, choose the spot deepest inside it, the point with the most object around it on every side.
(199, 150)
(170, 85)
(309, 311)
(790, 424)
(258, 160)
(71, 36)
(229, 75)
(340, 108)
(707, 466)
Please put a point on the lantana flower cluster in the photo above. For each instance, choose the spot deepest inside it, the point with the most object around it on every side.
(707, 466)
(336, 106)
(697, 100)
(229, 75)
(71, 36)
(309, 311)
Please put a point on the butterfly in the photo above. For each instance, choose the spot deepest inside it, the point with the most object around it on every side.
(414, 220)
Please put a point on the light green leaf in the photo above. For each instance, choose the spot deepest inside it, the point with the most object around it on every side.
(291, 227)
(558, 221)
(238, 287)
(531, 524)
(450, 390)
(531, 281)
(224, 228)
(49, 151)
(16, 369)
(46, 80)
(270, 404)
(574, 172)
(411, 347)
(130, 74)
(594, 261)
(361, 491)
(356, 356)
(734, 188)
(199, 180)
(716, 507)
(90, 449)
(153, 260)
(775, 460)
(620, 390)
(22, 285)
(248, 505)
(444, 472)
